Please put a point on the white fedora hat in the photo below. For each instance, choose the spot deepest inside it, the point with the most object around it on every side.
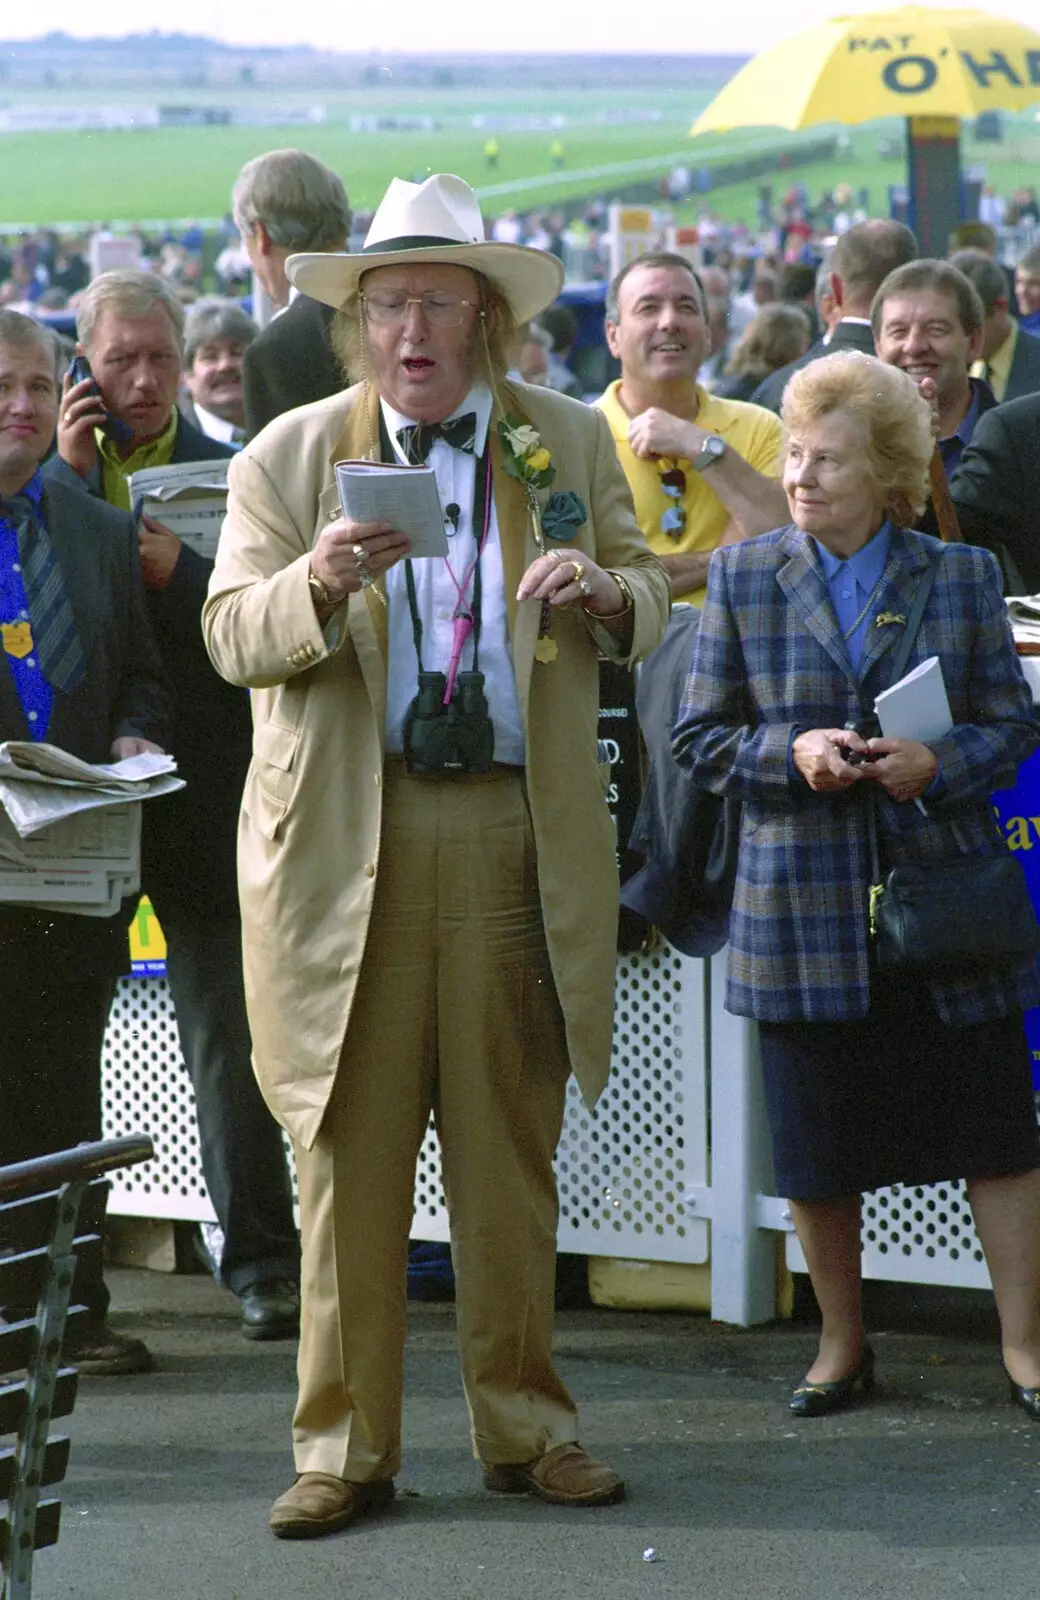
(438, 220)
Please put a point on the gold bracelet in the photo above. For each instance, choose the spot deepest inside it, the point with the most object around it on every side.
(612, 616)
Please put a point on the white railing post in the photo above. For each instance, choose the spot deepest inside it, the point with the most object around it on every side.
(743, 1249)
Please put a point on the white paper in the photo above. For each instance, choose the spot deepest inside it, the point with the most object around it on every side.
(406, 497)
(26, 759)
(41, 783)
(916, 707)
(188, 497)
(1024, 615)
(32, 806)
(85, 864)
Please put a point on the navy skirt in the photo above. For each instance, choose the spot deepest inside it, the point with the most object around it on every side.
(896, 1097)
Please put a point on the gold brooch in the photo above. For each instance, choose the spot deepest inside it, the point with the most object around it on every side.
(884, 617)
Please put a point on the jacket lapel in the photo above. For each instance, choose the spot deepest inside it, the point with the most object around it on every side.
(802, 580)
(516, 540)
(894, 600)
(367, 610)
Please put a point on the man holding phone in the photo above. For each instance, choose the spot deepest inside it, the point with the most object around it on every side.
(115, 420)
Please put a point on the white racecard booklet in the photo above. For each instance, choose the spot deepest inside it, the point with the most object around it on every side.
(916, 707)
(406, 497)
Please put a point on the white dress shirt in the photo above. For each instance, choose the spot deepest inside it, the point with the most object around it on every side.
(437, 597)
(215, 427)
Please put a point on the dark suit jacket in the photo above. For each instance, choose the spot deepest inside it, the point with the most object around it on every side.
(1024, 377)
(188, 851)
(996, 487)
(122, 693)
(290, 364)
(846, 336)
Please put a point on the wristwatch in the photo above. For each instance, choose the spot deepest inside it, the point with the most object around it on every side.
(321, 594)
(710, 451)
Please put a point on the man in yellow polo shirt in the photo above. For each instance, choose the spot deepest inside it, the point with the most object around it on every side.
(703, 471)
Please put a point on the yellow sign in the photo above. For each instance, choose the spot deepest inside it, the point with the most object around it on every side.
(147, 942)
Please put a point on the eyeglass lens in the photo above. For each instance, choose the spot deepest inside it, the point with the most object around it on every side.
(440, 310)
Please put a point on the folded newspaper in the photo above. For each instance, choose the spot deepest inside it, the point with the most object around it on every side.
(1024, 615)
(189, 497)
(70, 832)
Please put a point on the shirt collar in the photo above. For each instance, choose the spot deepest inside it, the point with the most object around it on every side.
(997, 369)
(866, 565)
(33, 490)
(971, 416)
(477, 400)
(714, 415)
(155, 452)
(215, 427)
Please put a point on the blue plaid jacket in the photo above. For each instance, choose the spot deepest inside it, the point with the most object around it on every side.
(769, 662)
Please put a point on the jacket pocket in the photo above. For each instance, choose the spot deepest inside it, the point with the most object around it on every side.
(272, 781)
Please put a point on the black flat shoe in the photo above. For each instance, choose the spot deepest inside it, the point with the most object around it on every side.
(1027, 1399)
(821, 1399)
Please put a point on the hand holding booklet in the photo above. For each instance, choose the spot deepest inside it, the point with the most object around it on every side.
(406, 497)
(916, 707)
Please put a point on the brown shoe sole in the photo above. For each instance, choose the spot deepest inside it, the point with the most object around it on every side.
(504, 1479)
(368, 1498)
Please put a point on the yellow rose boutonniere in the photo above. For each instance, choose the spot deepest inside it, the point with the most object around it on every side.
(524, 455)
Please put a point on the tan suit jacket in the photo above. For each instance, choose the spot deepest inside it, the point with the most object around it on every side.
(309, 834)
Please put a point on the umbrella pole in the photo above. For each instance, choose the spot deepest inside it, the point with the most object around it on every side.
(934, 180)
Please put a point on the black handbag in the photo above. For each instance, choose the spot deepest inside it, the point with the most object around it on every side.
(967, 912)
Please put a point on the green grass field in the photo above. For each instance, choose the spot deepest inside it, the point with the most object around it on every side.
(172, 173)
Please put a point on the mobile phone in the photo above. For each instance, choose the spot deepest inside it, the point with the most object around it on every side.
(114, 428)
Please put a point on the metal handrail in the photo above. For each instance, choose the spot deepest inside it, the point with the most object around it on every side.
(63, 1166)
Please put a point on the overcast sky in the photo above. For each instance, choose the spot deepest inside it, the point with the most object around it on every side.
(613, 26)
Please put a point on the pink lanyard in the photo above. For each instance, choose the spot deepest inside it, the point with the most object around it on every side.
(464, 618)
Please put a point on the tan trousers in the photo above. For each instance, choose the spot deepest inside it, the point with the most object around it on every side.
(456, 1011)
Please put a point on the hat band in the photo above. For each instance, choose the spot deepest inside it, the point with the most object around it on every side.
(414, 241)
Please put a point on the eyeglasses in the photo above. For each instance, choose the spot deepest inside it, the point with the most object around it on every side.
(388, 310)
(673, 518)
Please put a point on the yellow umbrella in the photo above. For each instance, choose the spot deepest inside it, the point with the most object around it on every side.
(912, 62)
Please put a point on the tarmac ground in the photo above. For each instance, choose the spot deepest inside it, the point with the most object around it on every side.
(930, 1491)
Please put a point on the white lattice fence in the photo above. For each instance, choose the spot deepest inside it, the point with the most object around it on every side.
(621, 1171)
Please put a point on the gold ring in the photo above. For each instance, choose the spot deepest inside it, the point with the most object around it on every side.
(579, 574)
(65, 418)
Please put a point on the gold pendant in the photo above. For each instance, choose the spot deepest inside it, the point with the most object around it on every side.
(18, 639)
(545, 649)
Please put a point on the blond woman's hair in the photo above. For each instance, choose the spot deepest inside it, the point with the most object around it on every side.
(490, 352)
(896, 423)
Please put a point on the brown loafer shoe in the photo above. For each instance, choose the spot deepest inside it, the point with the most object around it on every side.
(318, 1504)
(564, 1476)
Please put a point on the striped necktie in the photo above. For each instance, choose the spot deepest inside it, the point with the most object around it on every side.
(55, 636)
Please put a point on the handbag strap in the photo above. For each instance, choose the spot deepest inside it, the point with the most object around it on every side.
(902, 655)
